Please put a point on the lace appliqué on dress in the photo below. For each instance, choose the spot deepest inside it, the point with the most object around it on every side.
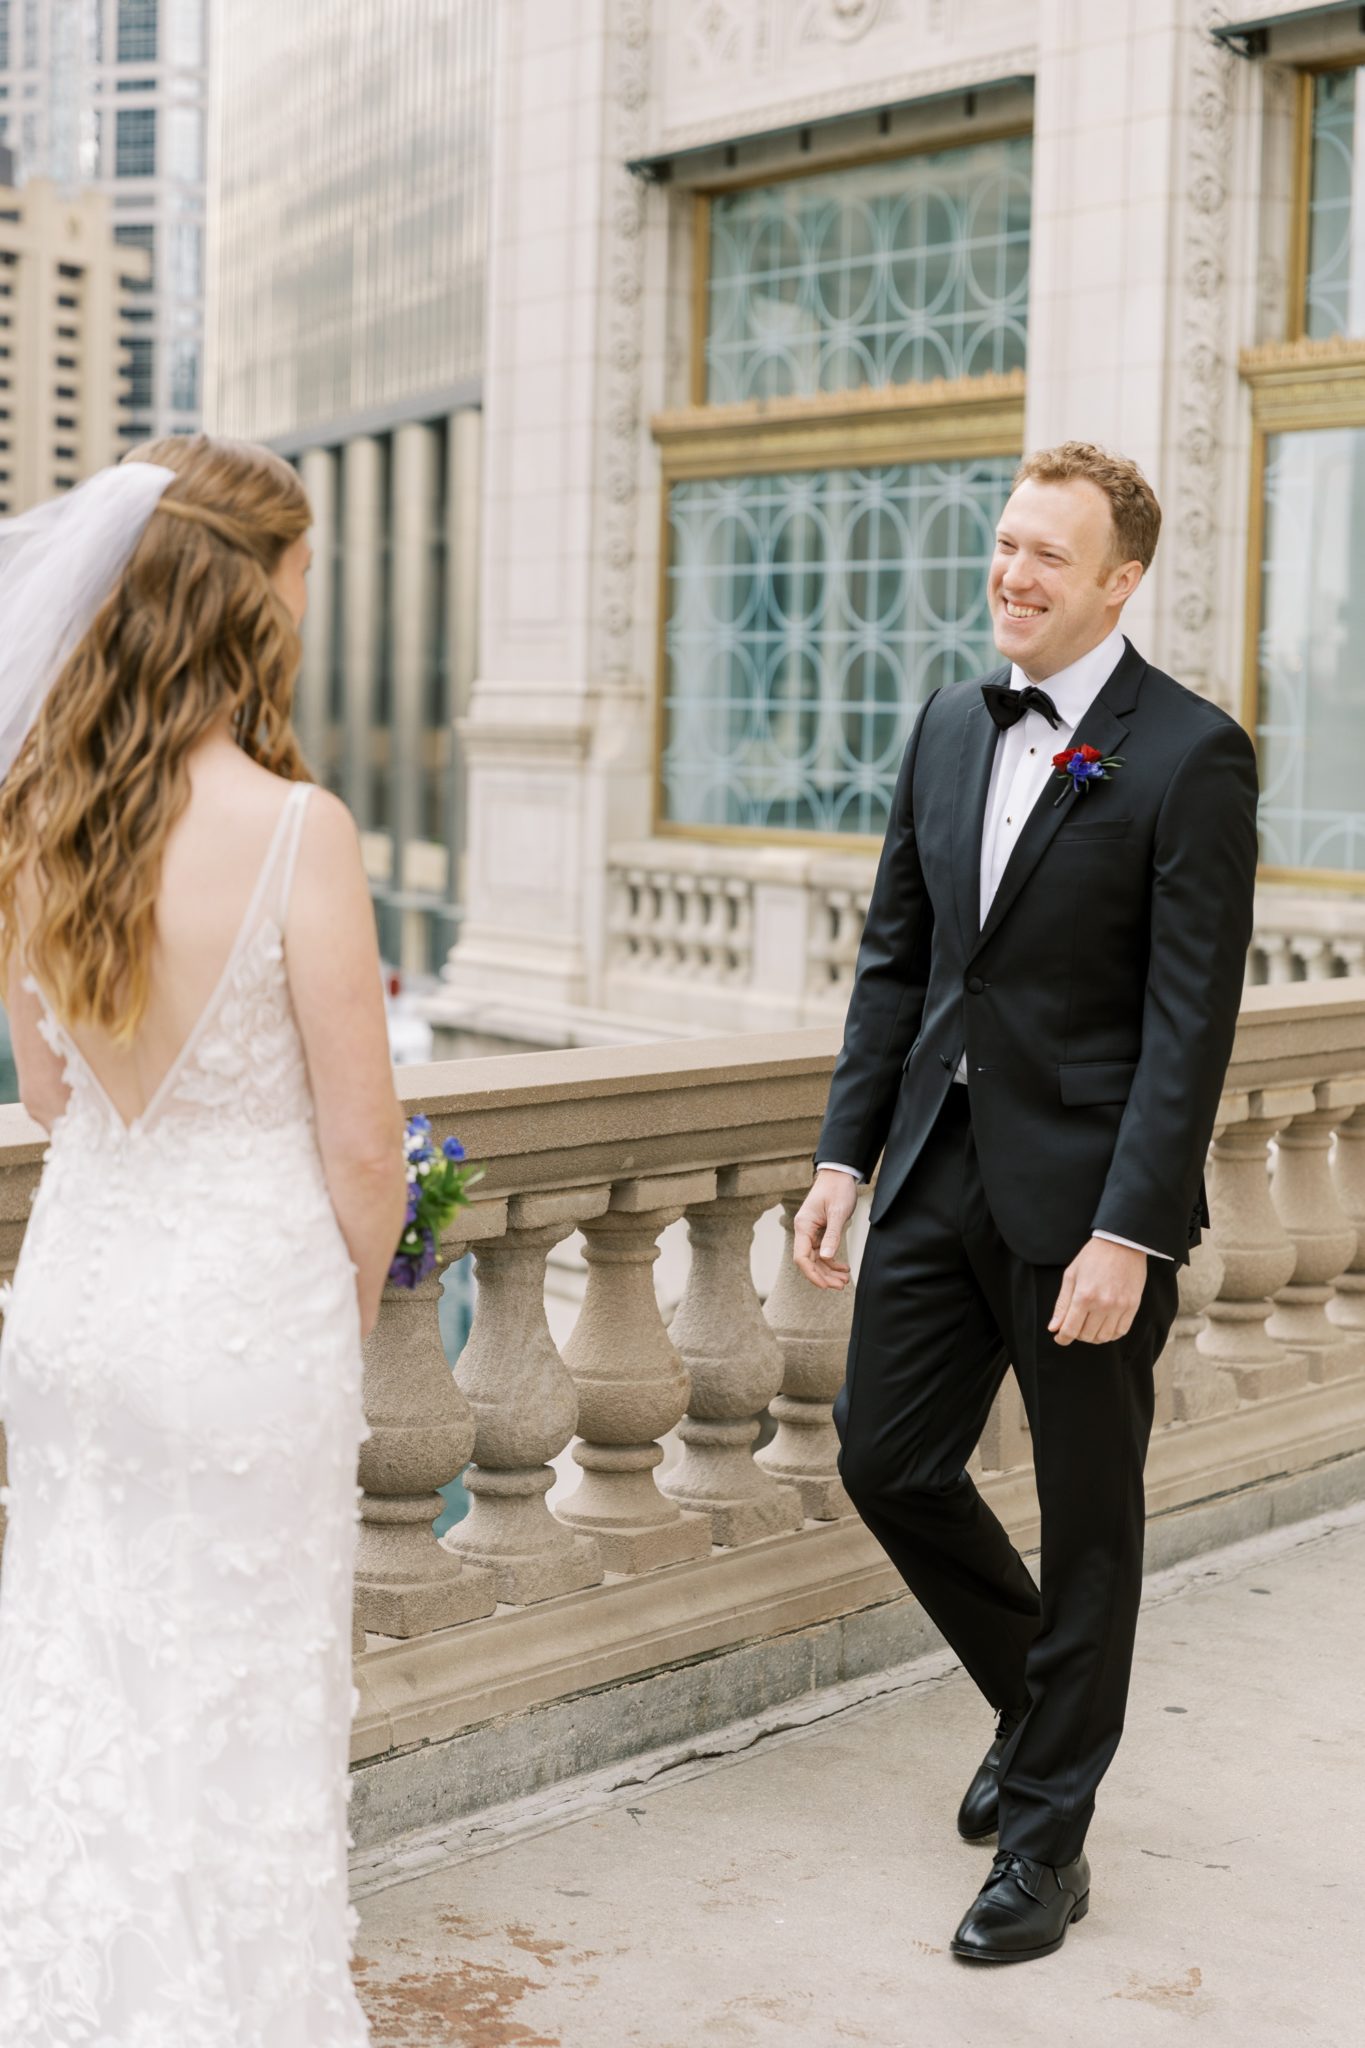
(180, 1381)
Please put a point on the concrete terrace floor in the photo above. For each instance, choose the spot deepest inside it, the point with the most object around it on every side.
(800, 1893)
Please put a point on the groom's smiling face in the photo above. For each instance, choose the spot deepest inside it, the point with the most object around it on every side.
(1055, 589)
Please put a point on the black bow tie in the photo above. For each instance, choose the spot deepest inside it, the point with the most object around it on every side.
(1008, 706)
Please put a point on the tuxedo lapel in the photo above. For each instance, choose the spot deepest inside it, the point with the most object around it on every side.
(976, 753)
(1103, 726)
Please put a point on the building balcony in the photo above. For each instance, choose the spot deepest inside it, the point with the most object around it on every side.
(657, 1544)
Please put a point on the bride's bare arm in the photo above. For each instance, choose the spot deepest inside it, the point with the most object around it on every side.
(334, 978)
(42, 1074)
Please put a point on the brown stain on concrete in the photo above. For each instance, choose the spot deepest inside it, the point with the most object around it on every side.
(538, 1945)
(1178, 1994)
(471, 2005)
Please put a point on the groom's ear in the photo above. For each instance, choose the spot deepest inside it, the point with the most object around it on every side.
(1123, 581)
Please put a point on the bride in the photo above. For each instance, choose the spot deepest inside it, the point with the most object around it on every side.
(193, 983)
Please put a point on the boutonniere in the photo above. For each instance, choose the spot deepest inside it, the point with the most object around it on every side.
(1078, 767)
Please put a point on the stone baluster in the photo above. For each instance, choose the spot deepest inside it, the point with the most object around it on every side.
(734, 1361)
(1005, 1441)
(1347, 1307)
(691, 926)
(421, 1435)
(632, 1385)
(1324, 1236)
(1258, 1253)
(668, 923)
(525, 1409)
(1315, 955)
(1277, 952)
(1198, 1385)
(811, 1324)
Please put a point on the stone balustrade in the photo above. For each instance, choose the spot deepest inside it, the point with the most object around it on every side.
(681, 1539)
(747, 937)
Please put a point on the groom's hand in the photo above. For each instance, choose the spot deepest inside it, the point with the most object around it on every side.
(1100, 1293)
(818, 1226)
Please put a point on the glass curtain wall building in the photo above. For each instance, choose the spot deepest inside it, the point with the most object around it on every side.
(113, 94)
(349, 233)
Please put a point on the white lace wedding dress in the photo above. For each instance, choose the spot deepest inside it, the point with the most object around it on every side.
(180, 1381)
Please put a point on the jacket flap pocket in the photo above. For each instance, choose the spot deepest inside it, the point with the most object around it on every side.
(1085, 1081)
(1082, 833)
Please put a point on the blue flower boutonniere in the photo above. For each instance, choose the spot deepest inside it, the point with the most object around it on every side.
(1078, 767)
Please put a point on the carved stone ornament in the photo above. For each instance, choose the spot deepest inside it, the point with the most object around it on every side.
(1202, 360)
(839, 21)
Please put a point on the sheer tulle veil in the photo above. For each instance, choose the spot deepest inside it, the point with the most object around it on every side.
(58, 563)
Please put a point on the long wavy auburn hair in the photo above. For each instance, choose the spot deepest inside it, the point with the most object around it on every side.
(194, 628)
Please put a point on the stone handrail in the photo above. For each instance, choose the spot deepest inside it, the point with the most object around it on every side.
(652, 1561)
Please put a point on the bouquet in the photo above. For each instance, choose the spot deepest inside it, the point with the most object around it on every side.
(438, 1186)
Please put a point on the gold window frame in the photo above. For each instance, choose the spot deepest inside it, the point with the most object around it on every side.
(1296, 386)
(957, 419)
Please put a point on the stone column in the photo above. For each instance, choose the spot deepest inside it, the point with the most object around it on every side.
(318, 468)
(1347, 1306)
(361, 571)
(1324, 1237)
(735, 1363)
(412, 614)
(525, 1408)
(1258, 1254)
(632, 1385)
(557, 738)
(464, 450)
(811, 1325)
(421, 1435)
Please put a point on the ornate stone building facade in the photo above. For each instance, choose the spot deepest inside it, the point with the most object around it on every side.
(778, 292)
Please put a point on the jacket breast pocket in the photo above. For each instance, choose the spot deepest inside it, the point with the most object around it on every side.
(1087, 1082)
(1093, 830)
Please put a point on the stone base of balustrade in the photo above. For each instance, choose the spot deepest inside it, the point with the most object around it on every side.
(711, 1640)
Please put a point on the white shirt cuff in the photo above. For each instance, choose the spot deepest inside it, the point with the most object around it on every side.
(834, 1167)
(1110, 1238)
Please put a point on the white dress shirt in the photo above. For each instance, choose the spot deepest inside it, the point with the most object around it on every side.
(1020, 773)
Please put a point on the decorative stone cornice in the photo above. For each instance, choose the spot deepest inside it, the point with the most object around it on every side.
(1303, 384)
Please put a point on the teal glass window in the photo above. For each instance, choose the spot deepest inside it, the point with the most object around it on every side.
(1310, 727)
(809, 616)
(894, 273)
(1335, 294)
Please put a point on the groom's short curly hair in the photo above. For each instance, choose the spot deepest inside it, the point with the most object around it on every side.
(1132, 501)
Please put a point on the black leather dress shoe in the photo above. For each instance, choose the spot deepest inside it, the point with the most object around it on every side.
(1022, 1910)
(979, 1812)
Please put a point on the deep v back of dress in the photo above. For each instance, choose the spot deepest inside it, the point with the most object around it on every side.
(180, 1383)
(241, 1058)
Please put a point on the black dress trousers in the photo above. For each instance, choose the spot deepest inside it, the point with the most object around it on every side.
(942, 1308)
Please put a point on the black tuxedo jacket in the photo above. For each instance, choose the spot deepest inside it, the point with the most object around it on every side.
(1097, 1004)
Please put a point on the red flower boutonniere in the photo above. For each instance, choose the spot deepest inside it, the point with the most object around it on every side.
(1078, 767)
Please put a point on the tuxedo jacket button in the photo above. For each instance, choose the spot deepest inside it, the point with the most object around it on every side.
(975, 985)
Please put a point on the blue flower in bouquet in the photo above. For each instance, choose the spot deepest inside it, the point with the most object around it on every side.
(437, 1187)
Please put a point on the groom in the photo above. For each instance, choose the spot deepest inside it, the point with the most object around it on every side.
(1041, 1019)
